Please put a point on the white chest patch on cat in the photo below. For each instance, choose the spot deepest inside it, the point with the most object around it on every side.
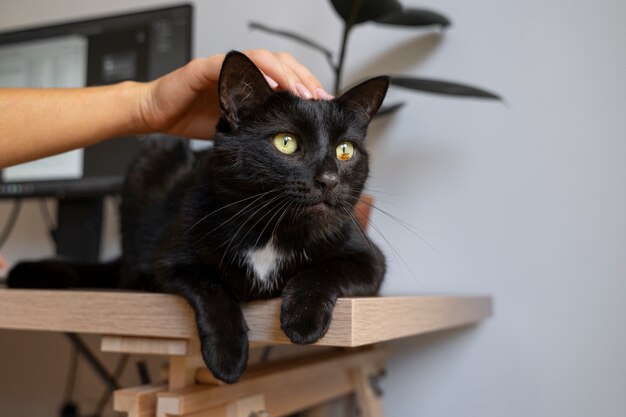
(265, 263)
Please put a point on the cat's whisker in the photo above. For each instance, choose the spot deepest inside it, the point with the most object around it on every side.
(404, 223)
(278, 210)
(236, 248)
(391, 205)
(406, 226)
(369, 190)
(285, 206)
(357, 196)
(281, 217)
(362, 233)
(393, 248)
(369, 185)
(230, 241)
(248, 207)
(252, 215)
(295, 216)
(224, 207)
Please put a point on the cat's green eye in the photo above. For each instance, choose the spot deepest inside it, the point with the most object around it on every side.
(345, 151)
(285, 143)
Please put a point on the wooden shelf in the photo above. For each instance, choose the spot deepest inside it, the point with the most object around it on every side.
(356, 321)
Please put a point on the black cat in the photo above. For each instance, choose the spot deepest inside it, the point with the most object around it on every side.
(266, 212)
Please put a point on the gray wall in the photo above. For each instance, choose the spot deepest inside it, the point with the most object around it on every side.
(525, 202)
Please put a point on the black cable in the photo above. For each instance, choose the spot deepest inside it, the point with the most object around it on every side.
(117, 374)
(45, 214)
(93, 361)
(144, 375)
(71, 376)
(10, 223)
(47, 218)
(70, 408)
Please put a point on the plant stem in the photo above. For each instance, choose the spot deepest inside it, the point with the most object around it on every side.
(342, 55)
(354, 12)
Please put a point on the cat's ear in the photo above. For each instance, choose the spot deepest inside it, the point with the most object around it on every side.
(241, 88)
(366, 97)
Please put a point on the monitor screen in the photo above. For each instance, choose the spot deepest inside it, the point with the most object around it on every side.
(139, 46)
(57, 62)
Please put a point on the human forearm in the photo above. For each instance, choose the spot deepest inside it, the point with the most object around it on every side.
(40, 122)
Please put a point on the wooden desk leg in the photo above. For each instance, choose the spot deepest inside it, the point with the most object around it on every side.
(138, 401)
(368, 401)
(182, 370)
(184, 359)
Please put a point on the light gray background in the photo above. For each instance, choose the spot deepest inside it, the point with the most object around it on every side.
(526, 203)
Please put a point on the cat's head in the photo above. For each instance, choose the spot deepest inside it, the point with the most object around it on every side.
(309, 155)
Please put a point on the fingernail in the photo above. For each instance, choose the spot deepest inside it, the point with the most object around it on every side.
(303, 91)
(321, 93)
(270, 81)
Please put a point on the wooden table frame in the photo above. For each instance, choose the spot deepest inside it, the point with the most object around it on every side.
(163, 324)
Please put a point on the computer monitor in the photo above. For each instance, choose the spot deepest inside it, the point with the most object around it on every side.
(138, 46)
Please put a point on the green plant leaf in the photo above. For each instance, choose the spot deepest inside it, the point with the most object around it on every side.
(293, 36)
(413, 17)
(369, 10)
(442, 87)
(387, 110)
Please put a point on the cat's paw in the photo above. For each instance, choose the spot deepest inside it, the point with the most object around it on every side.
(226, 356)
(305, 319)
(42, 274)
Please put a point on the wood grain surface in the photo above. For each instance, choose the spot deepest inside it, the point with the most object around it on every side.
(356, 321)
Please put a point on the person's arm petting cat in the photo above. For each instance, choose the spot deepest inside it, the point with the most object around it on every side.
(43, 122)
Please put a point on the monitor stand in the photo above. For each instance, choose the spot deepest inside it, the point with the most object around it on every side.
(79, 225)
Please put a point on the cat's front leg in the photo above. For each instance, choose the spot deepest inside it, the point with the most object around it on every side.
(221, 325)
(223, 334)
(310, 296)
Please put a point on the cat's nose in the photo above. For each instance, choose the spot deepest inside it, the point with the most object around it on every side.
(327, 179)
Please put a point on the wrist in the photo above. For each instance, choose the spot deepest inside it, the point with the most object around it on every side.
(134, 95)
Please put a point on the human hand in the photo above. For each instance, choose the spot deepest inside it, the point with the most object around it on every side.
(185, 102)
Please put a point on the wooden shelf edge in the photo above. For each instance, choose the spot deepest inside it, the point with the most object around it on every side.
(356, 321)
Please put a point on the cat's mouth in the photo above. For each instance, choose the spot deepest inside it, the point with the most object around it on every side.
(320, 210)
(323, 206)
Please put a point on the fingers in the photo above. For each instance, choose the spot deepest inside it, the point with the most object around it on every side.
(288, 73)
(201, 72)
(281, 71)
(310, 82)
(273, 68)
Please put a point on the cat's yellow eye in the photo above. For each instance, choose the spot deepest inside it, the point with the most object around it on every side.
(345, 151)
(285, 143)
